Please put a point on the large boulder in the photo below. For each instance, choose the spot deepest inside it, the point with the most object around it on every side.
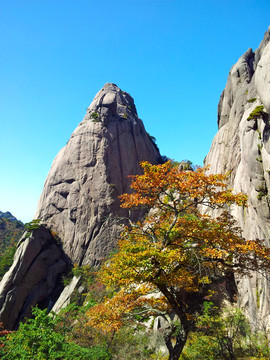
(80, 201)
(242, 147)
(34, 277)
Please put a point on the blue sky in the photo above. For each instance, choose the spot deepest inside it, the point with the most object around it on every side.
(172, 56)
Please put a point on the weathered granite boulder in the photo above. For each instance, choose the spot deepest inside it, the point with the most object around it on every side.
(79, 201)
(34, 277)
(242, 146)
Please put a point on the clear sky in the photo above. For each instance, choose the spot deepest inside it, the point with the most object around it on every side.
(172, 56)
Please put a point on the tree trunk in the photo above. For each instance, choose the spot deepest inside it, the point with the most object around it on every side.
(176, 349)
(180, 338)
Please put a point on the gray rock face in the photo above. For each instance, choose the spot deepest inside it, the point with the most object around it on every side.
(79, 204)
(34, 277)
(65, 296)
(242, 146)
(79, 201)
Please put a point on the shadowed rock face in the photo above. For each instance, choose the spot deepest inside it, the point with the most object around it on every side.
(242, 146)
(79, 201)
(34, 277)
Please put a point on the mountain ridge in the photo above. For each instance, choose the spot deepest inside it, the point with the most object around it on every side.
(9, 216)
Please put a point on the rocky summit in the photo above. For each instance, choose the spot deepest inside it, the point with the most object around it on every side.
(79, 204)
(242, 147)
(79, 201)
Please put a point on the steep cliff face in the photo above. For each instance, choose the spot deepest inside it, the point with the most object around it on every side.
(242, 146)
(79, 201)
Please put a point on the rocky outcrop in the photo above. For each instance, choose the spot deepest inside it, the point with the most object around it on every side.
(74, 287)
(79, 205)
(79, 201)
(242, 146)
(34, 278)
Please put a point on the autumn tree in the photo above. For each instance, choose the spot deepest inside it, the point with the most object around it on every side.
(169, 261)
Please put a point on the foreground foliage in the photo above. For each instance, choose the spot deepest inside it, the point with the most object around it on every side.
(68, 336)
(169, 261)
(38, 339)
(225, 336)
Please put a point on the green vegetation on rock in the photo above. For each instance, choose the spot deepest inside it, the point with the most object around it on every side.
(95, 117)
(257, 112)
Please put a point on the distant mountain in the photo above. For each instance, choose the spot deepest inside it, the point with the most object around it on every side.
(9, 216)
(10, 232)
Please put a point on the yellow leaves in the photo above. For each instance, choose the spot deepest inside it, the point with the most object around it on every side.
(175, 249)
(204, 280)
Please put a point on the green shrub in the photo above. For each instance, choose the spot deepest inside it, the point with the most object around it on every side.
(256, 113)
(6, 260)
(225, 336)
(95, 117)
(260, 146)
(38, 339)
(32, 225)
(262, 192)
(251, 100)
(129, 344)
(93, 292)
(73, 351)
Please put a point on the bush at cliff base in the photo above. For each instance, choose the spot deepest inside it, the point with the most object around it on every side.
(225, 335)
(37, 339)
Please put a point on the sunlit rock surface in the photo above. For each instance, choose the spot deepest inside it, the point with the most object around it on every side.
(80, 201)
(242, 146)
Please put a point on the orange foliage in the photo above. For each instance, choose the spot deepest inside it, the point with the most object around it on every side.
(177, 249)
